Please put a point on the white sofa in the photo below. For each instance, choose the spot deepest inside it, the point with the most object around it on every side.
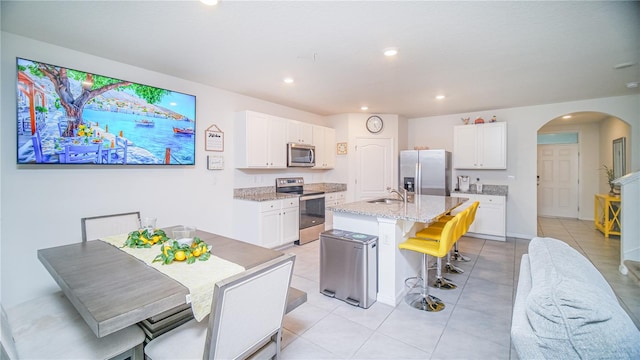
(565, 309)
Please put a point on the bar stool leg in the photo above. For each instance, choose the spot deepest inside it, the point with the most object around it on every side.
(424, 301)
(441, 282)
(457, 256)
(450, 268)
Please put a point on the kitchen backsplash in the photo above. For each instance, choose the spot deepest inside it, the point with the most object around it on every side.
(326, 187)
(487, 189)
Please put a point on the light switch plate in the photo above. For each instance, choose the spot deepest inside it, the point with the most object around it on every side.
(215, 162)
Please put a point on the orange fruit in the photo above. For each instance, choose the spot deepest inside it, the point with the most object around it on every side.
(180, 255)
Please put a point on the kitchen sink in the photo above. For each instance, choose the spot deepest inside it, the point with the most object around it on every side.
(385, 201)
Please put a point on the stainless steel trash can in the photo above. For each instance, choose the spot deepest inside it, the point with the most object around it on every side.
(349, 267)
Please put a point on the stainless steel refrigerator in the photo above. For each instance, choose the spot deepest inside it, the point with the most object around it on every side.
(426, 172)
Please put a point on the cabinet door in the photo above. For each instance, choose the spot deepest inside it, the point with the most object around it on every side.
(270, 228)
(329, 148)
(490, 216)
(256, 142)
(465, 147)
(299, 132)
(318, 142)
(324, 139)
(290, 224)
(492, 145)
(277, 146)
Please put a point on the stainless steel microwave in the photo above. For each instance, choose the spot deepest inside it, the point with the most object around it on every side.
(301, 155)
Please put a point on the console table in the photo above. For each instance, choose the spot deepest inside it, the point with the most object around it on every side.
(607, 214)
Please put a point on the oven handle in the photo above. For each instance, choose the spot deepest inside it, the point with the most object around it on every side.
(311, 197)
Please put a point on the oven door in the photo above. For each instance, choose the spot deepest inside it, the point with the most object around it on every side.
(311, 210)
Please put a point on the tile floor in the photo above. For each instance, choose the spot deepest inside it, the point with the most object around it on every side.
(475, 323)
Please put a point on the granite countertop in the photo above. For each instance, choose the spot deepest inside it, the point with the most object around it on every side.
(268, 193)
(497, 190)
(424, 209)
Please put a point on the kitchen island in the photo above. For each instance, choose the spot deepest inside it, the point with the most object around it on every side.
(393, 222)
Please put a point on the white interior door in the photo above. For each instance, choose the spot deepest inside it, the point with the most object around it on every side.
(558, 180)
(374, 168)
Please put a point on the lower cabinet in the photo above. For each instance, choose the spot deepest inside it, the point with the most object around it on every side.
(331, 199)
(269, 224)
(490, 221)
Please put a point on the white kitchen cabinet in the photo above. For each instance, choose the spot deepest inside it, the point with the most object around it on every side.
(332, 199)
(270, 224)
(260, 141)
(481, 146)
(490, 221)
(299, 132)
(324, 139)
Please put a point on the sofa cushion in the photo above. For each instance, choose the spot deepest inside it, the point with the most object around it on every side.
(572, 309)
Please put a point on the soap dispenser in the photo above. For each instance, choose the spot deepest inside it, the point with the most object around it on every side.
(478, 186)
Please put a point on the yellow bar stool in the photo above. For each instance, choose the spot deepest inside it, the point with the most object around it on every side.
(449, 267)
(435, 233)
(424, 301)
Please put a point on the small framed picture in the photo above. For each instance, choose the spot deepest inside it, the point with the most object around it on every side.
(341, 148)
(213, 139)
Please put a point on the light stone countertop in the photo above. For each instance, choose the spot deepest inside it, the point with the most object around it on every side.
(425, 208)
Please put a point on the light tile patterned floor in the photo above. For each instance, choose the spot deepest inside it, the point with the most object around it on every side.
(476, 322)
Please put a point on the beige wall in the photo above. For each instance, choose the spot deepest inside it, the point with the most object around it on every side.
(610, 129)
(42, 206)
(523, 124)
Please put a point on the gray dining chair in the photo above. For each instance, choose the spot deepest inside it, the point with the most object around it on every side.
(49, 327)
(96, 227)
(245, 319)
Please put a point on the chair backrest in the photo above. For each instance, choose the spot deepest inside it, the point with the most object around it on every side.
(472, 215)
(448, 236)
(247, 311)
(82, 154)
(8, 349)
(461, 227)
(97, 227)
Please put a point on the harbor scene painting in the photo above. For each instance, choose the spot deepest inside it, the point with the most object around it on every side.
(67, 116)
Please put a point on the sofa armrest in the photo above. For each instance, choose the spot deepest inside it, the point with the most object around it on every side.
(522, 336)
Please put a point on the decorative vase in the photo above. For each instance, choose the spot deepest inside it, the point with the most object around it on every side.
(612, 190)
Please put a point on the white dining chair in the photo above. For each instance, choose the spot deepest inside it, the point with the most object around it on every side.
(49, 327)
(97, 227)
(245, 320)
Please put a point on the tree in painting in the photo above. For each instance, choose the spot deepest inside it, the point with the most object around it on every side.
(92, 86)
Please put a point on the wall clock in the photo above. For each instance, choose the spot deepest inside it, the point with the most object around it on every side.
(374, 124)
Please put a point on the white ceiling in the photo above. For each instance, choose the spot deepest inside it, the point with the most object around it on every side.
(481, 55)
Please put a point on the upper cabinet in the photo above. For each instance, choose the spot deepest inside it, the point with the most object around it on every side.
(299, 132)
(481, 146)
(260, 141)
(324, 139)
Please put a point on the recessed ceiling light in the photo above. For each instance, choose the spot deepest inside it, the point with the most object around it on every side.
(288, 80)
(209, 2)
(567, 117)
(390, 52)
(364, 108)
(440, 97)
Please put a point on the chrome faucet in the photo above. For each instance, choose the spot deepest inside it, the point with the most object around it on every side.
(402, 197)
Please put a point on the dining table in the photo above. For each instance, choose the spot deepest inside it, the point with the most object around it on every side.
(112, 289)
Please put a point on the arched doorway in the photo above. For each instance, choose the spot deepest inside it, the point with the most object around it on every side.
(577, 169)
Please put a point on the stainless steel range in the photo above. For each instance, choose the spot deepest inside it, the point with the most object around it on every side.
(311, 207)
